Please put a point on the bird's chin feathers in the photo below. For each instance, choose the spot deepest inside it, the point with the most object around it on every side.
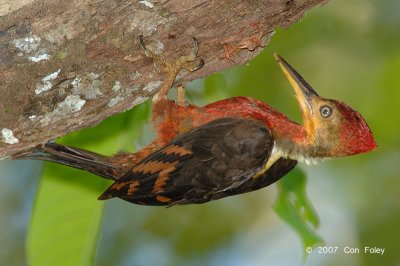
(293, 155)
(309, 161)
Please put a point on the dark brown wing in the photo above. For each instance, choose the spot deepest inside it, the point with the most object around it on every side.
(206, 163)
(279, 169)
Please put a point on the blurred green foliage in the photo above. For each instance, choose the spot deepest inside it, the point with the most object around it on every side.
(293, 206)
(66, 217)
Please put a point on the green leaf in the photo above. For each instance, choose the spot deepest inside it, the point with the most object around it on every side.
(67, 215)
(293, 206)
(66, 218)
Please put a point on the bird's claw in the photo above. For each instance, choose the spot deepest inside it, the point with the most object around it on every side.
(147, 51)
(189, 62)
(172, 68)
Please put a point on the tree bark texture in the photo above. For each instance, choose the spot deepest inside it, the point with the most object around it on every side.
(66, 65)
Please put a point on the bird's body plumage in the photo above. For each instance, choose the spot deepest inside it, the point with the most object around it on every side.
(214, 160)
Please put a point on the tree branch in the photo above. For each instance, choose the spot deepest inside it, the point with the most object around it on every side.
(66, 65)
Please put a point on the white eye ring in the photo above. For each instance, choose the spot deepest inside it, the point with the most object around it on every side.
(325, 111)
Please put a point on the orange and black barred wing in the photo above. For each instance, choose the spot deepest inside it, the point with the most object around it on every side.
(215, 160)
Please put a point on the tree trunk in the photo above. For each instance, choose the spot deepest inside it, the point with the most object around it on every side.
(66, 65)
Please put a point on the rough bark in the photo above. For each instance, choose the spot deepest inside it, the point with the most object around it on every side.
(66, 65)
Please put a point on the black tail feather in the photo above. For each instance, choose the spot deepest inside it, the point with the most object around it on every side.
(74, 157)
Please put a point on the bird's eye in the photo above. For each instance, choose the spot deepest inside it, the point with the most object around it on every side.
(325, 111)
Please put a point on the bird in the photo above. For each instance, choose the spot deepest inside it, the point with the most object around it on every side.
(225, 148)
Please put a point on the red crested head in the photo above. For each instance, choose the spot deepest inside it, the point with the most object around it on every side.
(331, 128)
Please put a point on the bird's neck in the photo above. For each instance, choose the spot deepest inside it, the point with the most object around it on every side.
(291, 139)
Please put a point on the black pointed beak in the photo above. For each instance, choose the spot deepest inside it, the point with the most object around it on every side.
(304, 92)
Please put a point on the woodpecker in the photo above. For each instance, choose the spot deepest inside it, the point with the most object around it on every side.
(229, 147)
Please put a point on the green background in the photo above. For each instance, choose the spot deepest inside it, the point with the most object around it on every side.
(347, 50)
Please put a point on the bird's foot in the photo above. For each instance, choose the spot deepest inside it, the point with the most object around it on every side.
(180, 100)
(172, 68)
